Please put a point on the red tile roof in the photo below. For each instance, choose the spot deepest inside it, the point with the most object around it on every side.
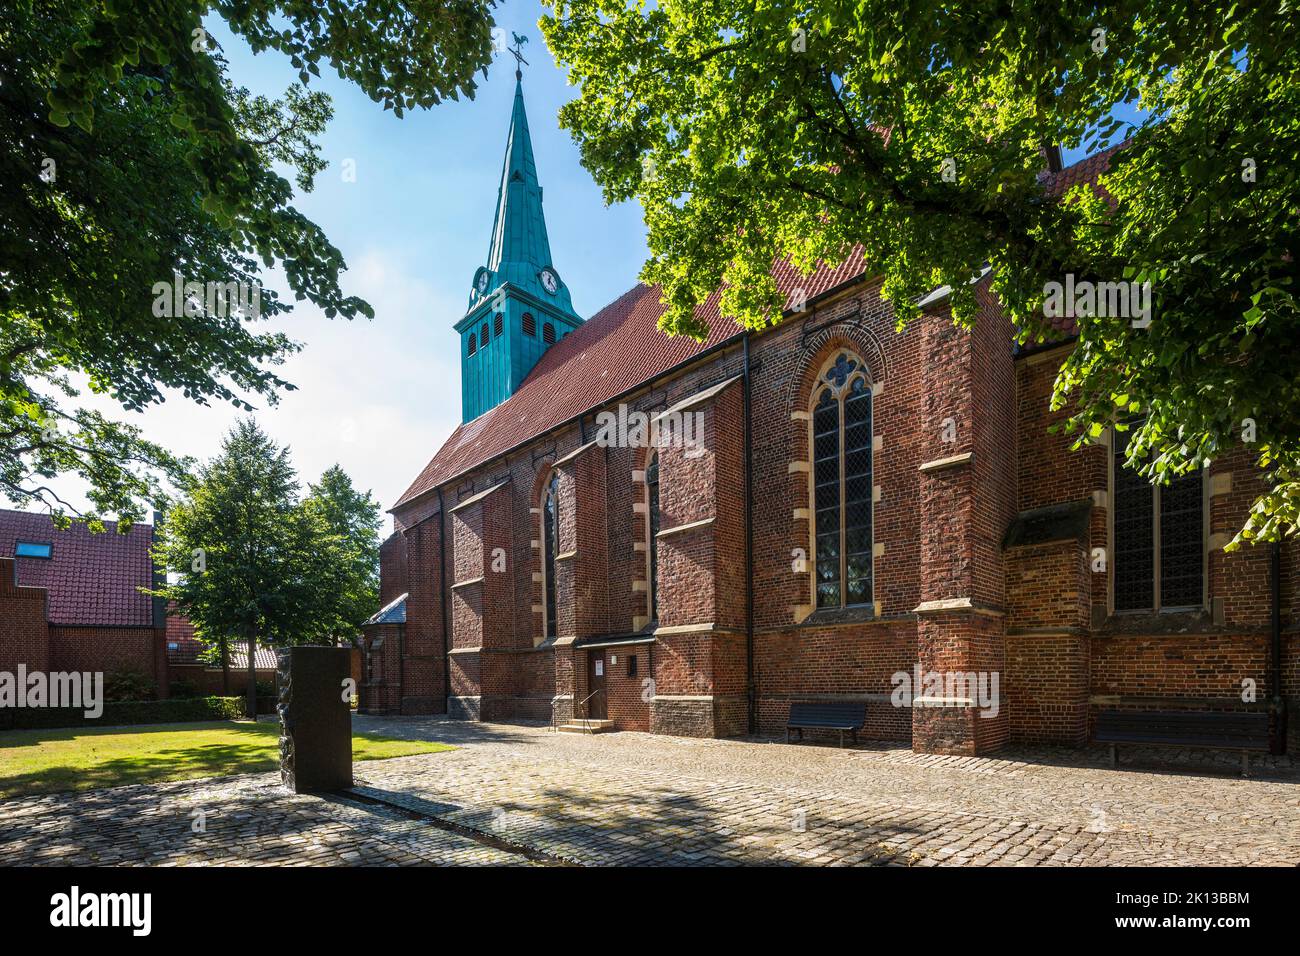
(92, 579)
(1085, 170)
(622, 347)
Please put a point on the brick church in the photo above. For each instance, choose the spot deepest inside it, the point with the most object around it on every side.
(853, 504)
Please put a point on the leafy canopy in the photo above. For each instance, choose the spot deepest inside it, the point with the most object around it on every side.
(751, 132)
(128, 156)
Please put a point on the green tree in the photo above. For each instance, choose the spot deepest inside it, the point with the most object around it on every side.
(240, 551)
(752, 132)
(128, 157)
(347, 585)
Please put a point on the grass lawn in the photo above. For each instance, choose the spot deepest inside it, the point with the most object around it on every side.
(46, 761)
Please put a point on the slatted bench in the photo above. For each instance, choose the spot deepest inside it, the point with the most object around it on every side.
(1217, 731)
(826, 716)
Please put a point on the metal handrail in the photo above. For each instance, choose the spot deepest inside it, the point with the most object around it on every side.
(582, 705)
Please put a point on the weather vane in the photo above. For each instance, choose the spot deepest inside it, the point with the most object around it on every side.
(516, 52)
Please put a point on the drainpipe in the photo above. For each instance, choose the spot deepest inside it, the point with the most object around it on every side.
(1275, 665)
(446, 605)
(750, 689)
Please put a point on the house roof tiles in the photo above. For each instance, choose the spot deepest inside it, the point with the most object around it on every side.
(93, 579)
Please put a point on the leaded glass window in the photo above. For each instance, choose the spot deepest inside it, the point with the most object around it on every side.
(550, 545)
(1159, 551)
(842, 484)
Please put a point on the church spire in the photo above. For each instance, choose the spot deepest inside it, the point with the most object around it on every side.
(519, 231)
(518, 305)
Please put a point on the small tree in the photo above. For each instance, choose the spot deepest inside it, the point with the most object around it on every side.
(346, 585)
(241, 549)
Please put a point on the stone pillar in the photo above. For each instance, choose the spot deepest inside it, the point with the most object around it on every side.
(421, 672)
(482, 589)
(315, 718)
(966, 504)
(699, 652)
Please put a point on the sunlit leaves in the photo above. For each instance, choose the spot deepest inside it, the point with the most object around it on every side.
(800, 130)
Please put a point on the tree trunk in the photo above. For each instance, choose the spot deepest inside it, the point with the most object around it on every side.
(252, 677)
(225, 667)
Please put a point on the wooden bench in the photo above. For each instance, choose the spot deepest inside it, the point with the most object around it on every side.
(826, 716)
(1218, 731)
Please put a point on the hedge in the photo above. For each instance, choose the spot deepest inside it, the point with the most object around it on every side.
(118, 713)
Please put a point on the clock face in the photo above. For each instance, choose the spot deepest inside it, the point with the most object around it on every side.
(550, 281)
(481, 283)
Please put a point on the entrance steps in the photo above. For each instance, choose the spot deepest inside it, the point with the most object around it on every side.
(587, 727)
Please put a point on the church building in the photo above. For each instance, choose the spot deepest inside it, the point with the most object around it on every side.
(630, 531)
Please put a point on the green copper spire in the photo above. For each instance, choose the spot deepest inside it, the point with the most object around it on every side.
(518, 304)
(520, 248)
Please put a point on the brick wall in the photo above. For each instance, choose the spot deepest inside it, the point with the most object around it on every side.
(423, 671)
(392, 568)
(1135, 661)
(380, 688)
(938, 537)
(24, 634)
(109, 649)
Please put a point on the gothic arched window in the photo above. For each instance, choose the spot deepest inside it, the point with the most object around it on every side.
(652, 529)
(548, 333)
(550, 546)
(483, 335)
(530, 325)
(841, 483)
(497, 324)
(473, 347)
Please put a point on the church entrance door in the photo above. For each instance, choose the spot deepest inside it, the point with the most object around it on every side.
(596, 709)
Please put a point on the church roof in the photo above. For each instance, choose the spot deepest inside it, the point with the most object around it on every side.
(622, 347)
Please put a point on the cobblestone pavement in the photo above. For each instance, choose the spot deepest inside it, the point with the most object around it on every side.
(247, 820)
(643, 799)
(639, 799)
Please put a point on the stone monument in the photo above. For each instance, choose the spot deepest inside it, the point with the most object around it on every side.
(315, 718)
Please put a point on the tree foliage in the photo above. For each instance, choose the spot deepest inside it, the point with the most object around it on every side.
(128, 157)
(801, 129)
(249, 560)
(239, 551)
(346, 585)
